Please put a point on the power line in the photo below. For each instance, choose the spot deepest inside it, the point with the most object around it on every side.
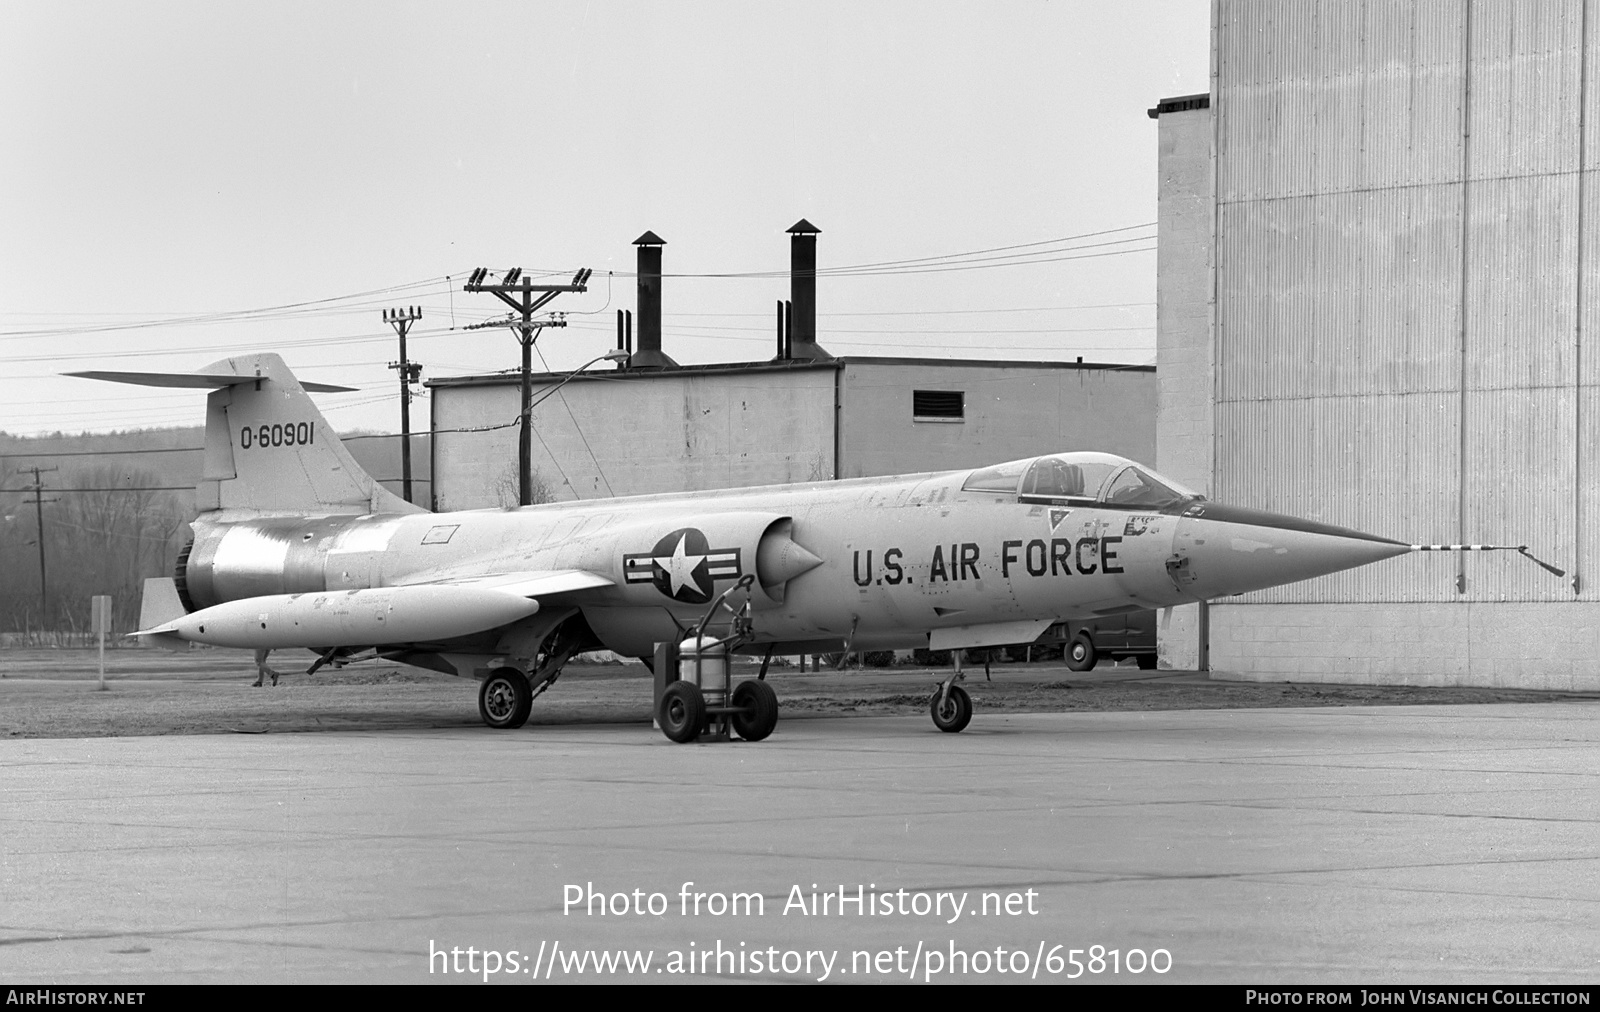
(598, 470)
(953, 312)
(97, 453)
(931, 266)
(308, 342)
(981, 266)
(115, 488)
(1016, 254)
(265, 312)
(173, 449)
(903, 330)
(524, 299)
(975, 257)
(1002, 249)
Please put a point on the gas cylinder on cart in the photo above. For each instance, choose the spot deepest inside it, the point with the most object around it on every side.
(707, 662)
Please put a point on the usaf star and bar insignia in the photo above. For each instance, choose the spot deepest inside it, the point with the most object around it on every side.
(683, 566)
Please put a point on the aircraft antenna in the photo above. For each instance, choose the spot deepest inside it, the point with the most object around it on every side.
(1519, 549)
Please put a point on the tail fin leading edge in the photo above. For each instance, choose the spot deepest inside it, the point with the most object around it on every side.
(268, 448)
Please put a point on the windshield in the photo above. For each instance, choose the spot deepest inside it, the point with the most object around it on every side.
(1135, 486)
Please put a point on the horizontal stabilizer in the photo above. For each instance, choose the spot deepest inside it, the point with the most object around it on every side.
(197, 380)
(268, 448)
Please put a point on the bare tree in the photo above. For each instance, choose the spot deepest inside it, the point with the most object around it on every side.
(506, 490)
(104, 541)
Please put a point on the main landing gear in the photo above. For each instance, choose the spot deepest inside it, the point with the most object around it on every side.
(506, 697)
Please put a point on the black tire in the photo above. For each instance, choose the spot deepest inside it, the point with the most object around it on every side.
(1147, 662)
(956, 712)
(1080, 654)
(505, 699)
(682, 714)
(760, 713)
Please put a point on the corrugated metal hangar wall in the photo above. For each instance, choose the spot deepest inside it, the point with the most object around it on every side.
(1375, 307)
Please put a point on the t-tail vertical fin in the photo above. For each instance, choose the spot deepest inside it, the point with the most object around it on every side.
(268, 448)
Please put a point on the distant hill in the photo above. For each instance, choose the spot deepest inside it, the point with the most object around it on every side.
(173, 457)
(116, 510)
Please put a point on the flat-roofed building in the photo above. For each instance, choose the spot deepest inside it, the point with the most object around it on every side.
(633, 431)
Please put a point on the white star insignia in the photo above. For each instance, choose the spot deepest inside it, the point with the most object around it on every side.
(680, 567)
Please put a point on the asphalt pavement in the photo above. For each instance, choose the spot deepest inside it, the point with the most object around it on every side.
(1442, 844)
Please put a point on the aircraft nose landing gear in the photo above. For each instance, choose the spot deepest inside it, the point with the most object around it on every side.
(951, 707)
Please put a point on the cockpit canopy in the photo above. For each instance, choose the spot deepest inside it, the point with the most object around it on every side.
(1080, 478)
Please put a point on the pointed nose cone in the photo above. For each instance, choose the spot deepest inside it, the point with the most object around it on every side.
(1222, 550)
(779, 559)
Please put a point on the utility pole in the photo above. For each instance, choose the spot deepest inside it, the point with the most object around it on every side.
(38, 512)
(518, 292)
(401, 320)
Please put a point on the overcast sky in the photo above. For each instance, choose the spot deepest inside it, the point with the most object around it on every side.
(163, 161)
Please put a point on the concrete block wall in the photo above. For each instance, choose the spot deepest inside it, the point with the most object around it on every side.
(1185, 389)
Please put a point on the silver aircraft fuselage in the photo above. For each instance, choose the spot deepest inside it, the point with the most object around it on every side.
(956, 559)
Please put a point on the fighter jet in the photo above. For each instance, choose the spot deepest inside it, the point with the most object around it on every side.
(297, 547)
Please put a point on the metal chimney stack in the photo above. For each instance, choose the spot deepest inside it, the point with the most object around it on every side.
(803, 293)
(649, 354)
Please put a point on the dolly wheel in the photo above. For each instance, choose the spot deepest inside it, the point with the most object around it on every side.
(682, 714)
(758, 713)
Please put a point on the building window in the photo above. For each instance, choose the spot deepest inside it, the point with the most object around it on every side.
(938, 406)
